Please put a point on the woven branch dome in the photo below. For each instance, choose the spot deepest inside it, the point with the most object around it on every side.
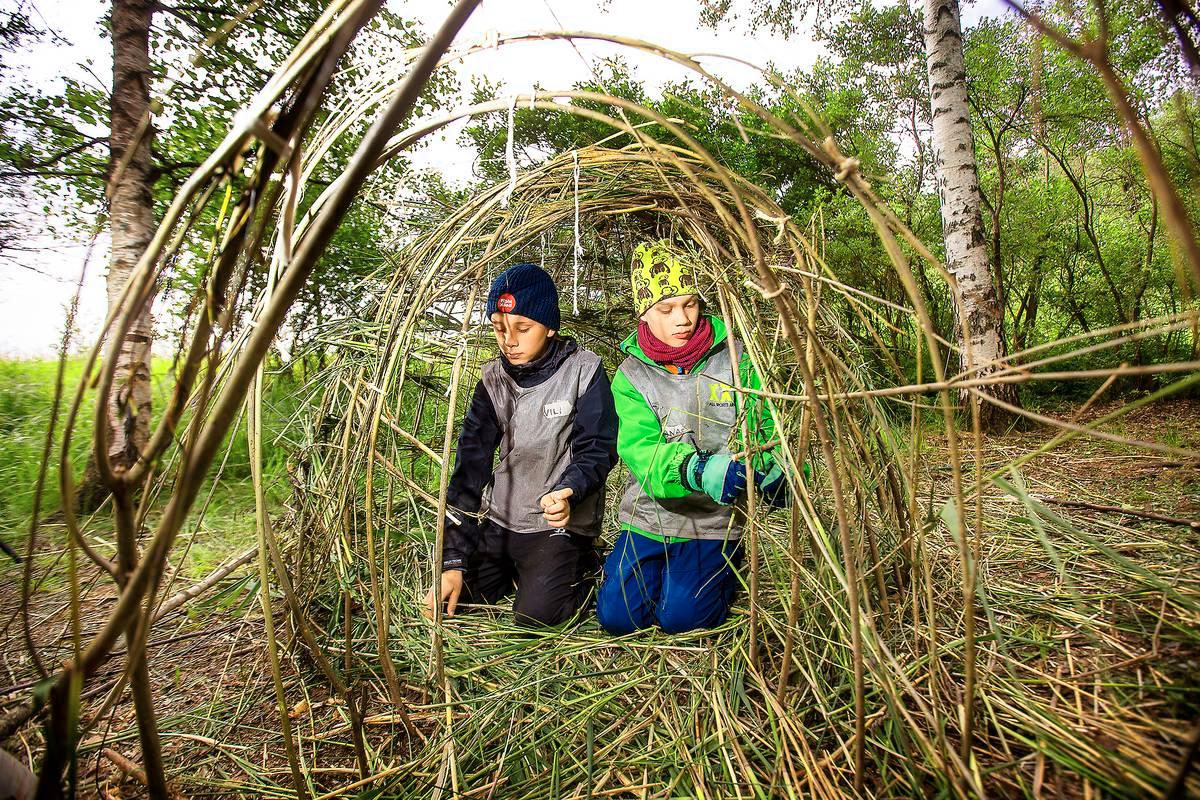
(389, 413)
(848, 649)
(884, 644)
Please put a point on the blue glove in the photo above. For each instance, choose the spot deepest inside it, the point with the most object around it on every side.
(718, 476)
(772, 486)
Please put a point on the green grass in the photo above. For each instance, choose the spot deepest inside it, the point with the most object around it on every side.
(227, 524)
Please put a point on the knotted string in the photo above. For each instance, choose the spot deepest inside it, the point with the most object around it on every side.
(578, 247)
(510, 156)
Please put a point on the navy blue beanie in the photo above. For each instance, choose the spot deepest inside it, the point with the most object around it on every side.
(528, 290)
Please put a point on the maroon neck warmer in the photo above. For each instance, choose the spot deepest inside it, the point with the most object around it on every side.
(683, 357)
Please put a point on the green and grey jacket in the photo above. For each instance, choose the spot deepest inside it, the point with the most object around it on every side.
(665, 418)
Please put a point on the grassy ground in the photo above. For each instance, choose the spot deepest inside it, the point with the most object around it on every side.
(227, 524)
(1106, 657)
(221, 527)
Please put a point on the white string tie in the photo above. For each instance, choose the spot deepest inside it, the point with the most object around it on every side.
(771, 295)
(848, 167)
(510, 156)
(578, 248)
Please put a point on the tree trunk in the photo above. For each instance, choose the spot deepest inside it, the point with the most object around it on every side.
(131, 215)
(978, 321)
(131, 224)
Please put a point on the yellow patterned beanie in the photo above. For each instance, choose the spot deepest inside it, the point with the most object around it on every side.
(660, 271)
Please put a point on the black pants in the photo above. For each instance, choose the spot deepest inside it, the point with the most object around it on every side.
(553, 573)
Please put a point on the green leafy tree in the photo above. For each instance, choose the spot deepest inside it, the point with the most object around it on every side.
(181, 71)
(1076, 239)
(707, 115)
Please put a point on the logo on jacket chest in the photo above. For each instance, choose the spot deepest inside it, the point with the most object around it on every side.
(720, 395)
(559, 408)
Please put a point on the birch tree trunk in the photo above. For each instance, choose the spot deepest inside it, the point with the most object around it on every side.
(131, 225)
(977, 313)
(131, 221)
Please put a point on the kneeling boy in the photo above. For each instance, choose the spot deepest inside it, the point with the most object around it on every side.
(531, 520)
(675, 561)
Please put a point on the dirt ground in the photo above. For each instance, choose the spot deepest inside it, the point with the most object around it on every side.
(213, 689)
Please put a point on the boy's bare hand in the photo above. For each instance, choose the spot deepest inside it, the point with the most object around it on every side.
(556, 507)
(452, 586)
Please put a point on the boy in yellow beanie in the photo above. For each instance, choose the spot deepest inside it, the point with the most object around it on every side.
(674, 562)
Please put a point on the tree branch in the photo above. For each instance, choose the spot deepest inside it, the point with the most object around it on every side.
(51, 160)
(52, 173)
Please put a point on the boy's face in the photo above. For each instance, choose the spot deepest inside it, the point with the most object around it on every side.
(521, 340)
(673, 320)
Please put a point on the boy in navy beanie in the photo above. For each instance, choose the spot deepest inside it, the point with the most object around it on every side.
(529, 521)
(525, 290)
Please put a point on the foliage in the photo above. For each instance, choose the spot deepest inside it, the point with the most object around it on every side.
(1076, 241)
(53, 140)
(26, 394)
(1076, 245)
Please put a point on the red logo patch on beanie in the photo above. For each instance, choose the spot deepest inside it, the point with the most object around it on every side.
(506, 303)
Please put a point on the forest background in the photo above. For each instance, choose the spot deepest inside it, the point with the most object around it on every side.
(1074, 237)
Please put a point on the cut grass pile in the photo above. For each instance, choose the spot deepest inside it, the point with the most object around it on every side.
(1087, 670)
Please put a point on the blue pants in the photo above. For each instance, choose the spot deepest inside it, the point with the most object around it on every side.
(681, 586)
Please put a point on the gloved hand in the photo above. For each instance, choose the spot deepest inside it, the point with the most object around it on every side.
(772, 486)
(718, 476)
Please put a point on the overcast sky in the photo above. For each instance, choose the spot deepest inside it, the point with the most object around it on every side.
(33, 299)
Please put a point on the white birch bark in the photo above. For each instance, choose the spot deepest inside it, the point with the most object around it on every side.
(978, 320)
(131, 221)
